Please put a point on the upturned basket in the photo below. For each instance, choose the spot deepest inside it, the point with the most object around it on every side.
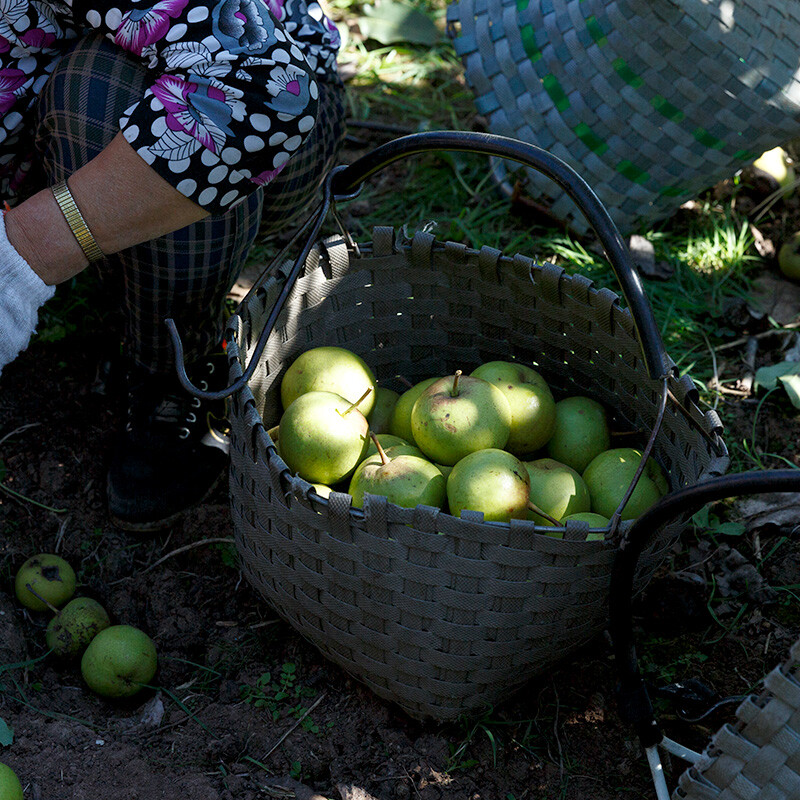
(652, 100)
(445, 616)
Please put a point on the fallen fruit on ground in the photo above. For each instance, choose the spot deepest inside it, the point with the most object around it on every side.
(458, 415)
(10, 787)
(330, 369)
(118, 661)
(43, 581)
(789, 257)
(71, 630)
(492, 481)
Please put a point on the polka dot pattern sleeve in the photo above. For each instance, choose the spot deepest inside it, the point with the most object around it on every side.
(233, 95)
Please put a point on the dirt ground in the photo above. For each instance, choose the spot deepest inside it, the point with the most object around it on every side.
(241, 707)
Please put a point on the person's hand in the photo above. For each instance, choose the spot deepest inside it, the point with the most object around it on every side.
(22, 293)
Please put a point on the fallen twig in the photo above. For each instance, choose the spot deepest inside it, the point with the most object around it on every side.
(745, 383)
(179, 550)
(764, 334)
(281, 740)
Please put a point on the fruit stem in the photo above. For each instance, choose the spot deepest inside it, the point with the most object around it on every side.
(39, 597)
(381, 451)
(536, 510)
(405, 381)
(353, 405)
(454, 390)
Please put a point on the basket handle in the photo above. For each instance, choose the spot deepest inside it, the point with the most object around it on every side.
(634, 703)
(344, 182)
(348, 180)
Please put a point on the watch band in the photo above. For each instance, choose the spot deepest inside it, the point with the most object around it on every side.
(76, 222)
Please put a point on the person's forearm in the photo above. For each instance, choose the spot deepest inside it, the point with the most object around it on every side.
(123, 201)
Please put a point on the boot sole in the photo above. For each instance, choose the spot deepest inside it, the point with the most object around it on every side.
(159, 524)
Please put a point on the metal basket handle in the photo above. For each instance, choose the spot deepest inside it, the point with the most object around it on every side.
(634, 703)
(344, 182)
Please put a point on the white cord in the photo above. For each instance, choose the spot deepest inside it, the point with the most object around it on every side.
(657, 771)
(679, 750)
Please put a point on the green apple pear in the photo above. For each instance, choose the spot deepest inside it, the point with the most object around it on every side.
(458, 415)
(400, 422)
(274, 433)
(556, 489)
(492, 481)
(75, 626)
(533, 409)
(330, 369)
(322, 489)
(44, 581)
(777, 164)
(10, 787)
(119, 661)
(381, 414)
(594, 520)
(386, 440)
(609, 475)
(323, 437)
(404, 479)
(789, 257)
(580, 433)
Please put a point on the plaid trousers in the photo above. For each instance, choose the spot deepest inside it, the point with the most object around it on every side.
(187, 274)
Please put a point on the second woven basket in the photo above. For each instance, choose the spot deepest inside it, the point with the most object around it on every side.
(652, 101)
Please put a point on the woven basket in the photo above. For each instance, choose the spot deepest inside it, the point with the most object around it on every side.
(443, 616)
(759, 755)
(651, 100)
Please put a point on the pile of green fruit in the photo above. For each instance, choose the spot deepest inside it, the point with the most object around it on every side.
(494, 441)
(116, 660)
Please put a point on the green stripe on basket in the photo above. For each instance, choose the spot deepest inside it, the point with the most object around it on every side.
(528, 36)
(706, 139)
(632, 172)
(590, 138)
(522, 4)
(556, 92)
(595, 31)
(626, 73)
(673, 191)
(663, 106)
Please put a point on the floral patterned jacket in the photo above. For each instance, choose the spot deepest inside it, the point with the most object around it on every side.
(234, 90)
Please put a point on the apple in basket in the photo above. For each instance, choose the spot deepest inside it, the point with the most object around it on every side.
(404, 478)
(581, 432)
(457, 415)
(492, 481)
(593, 520)
(330, 369)
(609, 475)
(323, 437)
(556, 489)
(400, 421)
(381, 414)
(533, 409)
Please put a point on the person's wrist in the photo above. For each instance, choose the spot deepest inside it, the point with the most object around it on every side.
(55, 257)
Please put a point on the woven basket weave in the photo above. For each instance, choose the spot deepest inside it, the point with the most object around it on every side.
(758, 756)
(443, 616)
(652, 101)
